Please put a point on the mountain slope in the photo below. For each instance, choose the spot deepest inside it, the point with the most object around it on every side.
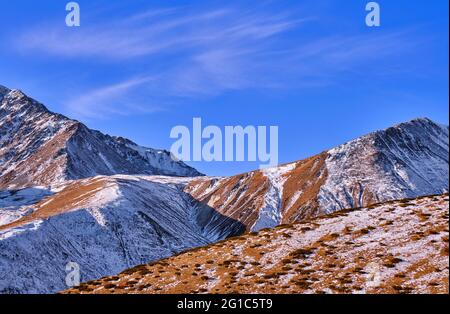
(393, 247)
(105, 224)
(407, 160)
(38, 147)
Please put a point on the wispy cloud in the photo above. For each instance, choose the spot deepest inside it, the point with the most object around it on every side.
(154, 32)
(115, 99)
(207, 53)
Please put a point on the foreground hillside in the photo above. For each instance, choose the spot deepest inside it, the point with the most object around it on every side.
(394, 247)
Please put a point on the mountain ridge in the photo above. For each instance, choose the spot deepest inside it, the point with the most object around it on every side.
(62, 149)
(407, 160)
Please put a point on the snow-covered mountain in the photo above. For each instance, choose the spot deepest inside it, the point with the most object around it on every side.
(408, 160)
(104, 224)
(38, 147)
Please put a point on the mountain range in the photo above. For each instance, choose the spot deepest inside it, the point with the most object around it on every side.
(72, 194)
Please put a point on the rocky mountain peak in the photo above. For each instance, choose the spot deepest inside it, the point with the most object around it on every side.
(39, 147)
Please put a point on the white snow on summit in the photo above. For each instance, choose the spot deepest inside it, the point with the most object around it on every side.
(407, 160)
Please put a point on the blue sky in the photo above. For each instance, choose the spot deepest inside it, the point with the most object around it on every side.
(137, 68)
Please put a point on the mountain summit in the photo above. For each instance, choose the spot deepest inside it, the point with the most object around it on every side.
(38, 147)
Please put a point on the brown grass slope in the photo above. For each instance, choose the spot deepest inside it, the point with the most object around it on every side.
(74, 195)
(394, 247)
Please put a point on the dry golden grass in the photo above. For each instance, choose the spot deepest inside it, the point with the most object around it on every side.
(331, 254)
